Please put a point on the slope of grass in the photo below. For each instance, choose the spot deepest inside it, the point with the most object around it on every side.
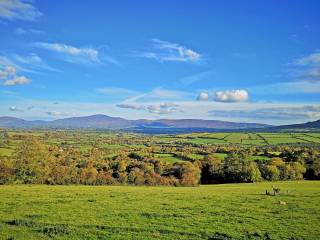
(232, 211)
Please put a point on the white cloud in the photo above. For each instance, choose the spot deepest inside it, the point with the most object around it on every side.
(18, 10)
(308, 67)
(186, 109)
(33, 61)
(164, 108)
(203, 96)
(164, 51)
(80, 54)
(17, 80)
(311, 59)
(8, 74)
(231, 96)
(156, 108)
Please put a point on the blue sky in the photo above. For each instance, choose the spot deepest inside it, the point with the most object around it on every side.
(248, 61)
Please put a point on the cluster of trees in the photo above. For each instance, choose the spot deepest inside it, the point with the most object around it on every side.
(36, 162)
(237, 167)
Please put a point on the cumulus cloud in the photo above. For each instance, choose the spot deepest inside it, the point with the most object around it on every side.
(164, 51)
(80, 54)
(277, 113)
(203, 96)
(231, 96)
(18, 10)
(9, 76)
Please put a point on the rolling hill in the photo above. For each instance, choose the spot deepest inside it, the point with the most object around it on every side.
(106, 122)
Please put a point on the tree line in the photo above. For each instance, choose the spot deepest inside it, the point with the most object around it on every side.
(35, 162)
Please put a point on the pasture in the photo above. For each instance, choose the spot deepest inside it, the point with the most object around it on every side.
(229, 211)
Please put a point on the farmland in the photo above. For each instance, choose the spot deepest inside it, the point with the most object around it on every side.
(85, 140)
(111, 158)
(232, 211)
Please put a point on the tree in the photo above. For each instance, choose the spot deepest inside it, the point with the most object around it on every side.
(270, 172)
(89, 174)
(211, 170)
(250, 172)
(295, 171)
(30, 161)
(190, 174)
(136, 176)
(6, 171)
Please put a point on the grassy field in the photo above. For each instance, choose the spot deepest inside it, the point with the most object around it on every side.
(231, 211)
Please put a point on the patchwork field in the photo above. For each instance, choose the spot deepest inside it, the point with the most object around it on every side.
(230, 211)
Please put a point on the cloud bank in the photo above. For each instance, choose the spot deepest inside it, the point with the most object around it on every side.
(278, 113)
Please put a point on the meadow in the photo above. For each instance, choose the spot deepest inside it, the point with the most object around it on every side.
(227, 211)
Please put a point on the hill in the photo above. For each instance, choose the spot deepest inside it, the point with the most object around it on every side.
(106, 122)
(308, 126)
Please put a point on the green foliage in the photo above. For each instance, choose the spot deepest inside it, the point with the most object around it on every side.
(97, 158)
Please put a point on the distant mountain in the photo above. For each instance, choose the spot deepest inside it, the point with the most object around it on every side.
(98, 121)
(12, 122)
(315, 125)
(106, 122)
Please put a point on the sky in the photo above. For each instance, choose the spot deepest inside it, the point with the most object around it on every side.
(241, 61)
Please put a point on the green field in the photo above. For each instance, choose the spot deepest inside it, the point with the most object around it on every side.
(112, 142)
(230, 211)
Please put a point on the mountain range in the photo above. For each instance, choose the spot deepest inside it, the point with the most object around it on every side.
(100, 121)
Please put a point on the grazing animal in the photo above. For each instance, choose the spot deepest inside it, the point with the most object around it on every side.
(276, 191)
(282, 202)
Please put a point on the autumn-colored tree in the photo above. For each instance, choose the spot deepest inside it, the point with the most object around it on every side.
(30, 161)
(190, 174)
(89, 174)
(6, 171)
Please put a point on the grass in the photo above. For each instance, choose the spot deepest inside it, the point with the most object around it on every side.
(168, 157)
(231, 211)
(6, 151)
(250, 138)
